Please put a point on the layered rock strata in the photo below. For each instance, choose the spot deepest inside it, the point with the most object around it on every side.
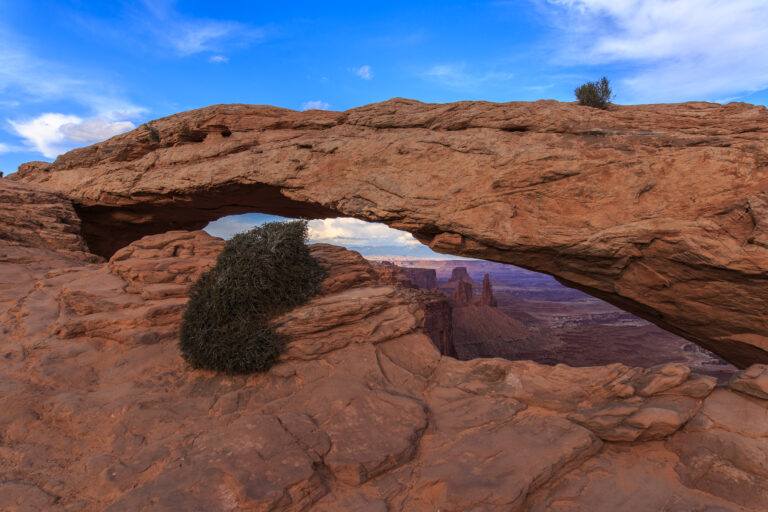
(658, 209)
(99, 412)
(422, 278)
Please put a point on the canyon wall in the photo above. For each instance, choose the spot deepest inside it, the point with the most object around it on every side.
(659, 209)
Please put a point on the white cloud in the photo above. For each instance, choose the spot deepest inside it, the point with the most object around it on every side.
(683, 49)
(188, 38)
(216, 59)
(186, 35)
(364, 72)
(456, 76)
(95, 130)
(315, 105)
(353, 232)
(7, 148)
(25, 78)
(29, 81)
(52, 134)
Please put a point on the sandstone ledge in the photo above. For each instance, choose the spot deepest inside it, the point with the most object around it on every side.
(99, 412)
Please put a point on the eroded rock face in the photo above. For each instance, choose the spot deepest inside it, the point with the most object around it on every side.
(487, 298)
(361, 412)
(98, 411)
(422, 278)
(34, 217)
(658, 209)
(461, 295)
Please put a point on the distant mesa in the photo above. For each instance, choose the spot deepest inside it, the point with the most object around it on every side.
(422, 278)
(460, 274)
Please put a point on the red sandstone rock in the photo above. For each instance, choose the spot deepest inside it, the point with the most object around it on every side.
(346, 269)
(98, 411)
(392, 274)
(422, 278)
(460, 274)
(36, 217)
(438, 321)
(752, 381)
(483, 331)
(658, 209)
(166, 265)
(462, 295)
(487, 298)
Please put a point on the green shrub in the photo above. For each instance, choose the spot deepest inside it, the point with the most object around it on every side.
(259, 275)
(595, 94)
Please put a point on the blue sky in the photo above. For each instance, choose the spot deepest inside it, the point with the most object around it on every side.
(73, 72)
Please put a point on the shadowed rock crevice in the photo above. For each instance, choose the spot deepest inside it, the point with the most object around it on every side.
(106, 229)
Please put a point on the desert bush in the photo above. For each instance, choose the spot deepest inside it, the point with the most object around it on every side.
(595, 94)
(259, 275)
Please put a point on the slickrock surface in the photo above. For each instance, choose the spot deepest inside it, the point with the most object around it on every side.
(99, 412)
(752, 381)
(659, 209)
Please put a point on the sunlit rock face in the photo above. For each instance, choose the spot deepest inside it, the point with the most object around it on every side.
(98, 410)
(361, 411)
(659, 209)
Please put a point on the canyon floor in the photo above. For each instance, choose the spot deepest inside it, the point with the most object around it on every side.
(573, 328)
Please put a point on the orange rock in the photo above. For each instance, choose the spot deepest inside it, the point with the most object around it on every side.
(658, 209)
(752, 381)
(98, 411)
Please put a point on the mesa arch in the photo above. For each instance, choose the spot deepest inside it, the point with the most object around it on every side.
(661, 210)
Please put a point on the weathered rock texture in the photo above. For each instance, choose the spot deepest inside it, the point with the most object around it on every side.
(98, 411)
(422, 278)
(658, 209)
(487, 298)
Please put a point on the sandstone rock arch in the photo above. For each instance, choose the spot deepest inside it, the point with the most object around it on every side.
(659, 209)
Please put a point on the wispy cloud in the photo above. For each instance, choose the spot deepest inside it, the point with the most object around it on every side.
(353, 232)
(33, 82)
(218, 59)
(158, 25)
(52, 134)
(315, 105)
(8, 148)
(680, 49)
(456, 76)
(365, 72)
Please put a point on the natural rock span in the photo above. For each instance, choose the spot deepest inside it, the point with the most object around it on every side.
(659, 209)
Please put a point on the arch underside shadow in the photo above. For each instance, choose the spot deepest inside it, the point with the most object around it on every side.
(109, 228)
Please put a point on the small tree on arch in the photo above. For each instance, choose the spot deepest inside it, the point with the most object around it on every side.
(595, 94)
